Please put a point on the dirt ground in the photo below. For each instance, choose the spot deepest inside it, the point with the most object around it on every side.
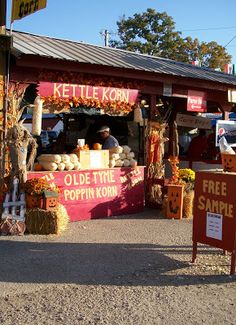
(124, 270)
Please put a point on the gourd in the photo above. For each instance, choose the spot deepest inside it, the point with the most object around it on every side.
(119, 163)
(122, 156)
(77, 165)
(126, 149)
(69, 166)
(50, 158)
(112, 163)
(126, 162)
(61, 166)
(73, 158)
(130, 155)
(115, 156)
(118, 149)
(47, 165)
(65, 159)
(133, 163)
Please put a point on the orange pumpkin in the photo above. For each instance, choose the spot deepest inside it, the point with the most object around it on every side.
(97, 146)
(38, 167)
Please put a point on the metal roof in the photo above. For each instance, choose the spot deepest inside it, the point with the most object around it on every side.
(43, 46)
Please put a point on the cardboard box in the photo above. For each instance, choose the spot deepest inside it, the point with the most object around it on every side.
(92, 159)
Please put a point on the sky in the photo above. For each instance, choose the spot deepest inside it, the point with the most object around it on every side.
(86, 20)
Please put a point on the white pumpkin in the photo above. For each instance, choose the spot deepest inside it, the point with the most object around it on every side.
(73, 158)
(65, 159)
(126, 149)
(69, 166)
(130, 155)
(112, 163)
(115, 156)
(133, 163)
(119, 163)
(122, 156)
(61, 166)
(126, 162)
(77, 165)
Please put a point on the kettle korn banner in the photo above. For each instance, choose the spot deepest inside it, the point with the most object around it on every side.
(22, 8)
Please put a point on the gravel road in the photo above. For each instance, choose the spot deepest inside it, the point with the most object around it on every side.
(123, 270)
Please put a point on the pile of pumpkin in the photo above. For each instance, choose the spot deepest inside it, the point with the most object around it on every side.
(52, 162)
(122, 156)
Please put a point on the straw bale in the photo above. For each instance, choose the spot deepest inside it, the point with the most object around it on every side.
(39, 221)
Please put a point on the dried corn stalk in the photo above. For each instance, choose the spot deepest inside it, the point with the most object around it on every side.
(18, 140)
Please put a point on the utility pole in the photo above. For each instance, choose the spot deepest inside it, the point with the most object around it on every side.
(106, 37)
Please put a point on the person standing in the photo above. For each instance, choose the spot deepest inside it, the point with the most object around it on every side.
(198, 146)
(109, 140)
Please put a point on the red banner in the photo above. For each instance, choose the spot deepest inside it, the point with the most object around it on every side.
(89, 194)
(196, 101)
(62, 90)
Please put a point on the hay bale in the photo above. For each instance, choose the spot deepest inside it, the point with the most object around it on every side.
(43, 222)
(188, 204)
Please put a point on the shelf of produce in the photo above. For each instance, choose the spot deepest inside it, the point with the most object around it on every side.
(95, 193)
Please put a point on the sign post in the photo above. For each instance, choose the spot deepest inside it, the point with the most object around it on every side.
(214, 214)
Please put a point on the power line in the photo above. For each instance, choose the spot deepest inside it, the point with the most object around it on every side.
(230, 41)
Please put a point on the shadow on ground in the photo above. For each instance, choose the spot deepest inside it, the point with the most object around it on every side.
(93, 263)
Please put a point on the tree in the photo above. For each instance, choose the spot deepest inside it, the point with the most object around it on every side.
(154, 33)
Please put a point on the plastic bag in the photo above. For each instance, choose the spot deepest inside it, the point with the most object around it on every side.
(225, 147)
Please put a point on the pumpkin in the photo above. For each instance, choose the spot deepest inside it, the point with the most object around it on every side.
(38, 167)
(97, 146)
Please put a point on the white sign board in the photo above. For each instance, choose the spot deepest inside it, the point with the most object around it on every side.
(226, 129)
(214, 225)
(95, 159)
(192, 121)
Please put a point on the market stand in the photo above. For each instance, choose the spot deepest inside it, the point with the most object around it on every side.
(94, 193)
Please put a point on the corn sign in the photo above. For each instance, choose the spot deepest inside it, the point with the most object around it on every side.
(22, 8)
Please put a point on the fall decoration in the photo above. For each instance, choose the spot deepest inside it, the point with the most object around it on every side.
(44, 222)
(155, 140)
(37, 186)
(115, 107)
(18, 140)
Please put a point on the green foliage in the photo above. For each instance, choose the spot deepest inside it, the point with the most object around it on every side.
(154, 33)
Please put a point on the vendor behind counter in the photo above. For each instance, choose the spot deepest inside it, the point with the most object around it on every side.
(109, 141)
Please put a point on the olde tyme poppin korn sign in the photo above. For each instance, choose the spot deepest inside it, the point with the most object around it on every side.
(95, 193)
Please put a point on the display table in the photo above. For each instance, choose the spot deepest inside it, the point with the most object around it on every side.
(90, 194)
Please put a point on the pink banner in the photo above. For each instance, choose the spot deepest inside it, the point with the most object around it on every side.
(62, 90)
(89, 194)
